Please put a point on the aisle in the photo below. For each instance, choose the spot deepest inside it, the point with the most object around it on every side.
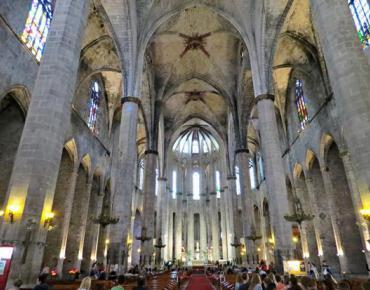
(199, 282)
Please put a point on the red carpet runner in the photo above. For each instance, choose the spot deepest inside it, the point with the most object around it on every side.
(199, 282)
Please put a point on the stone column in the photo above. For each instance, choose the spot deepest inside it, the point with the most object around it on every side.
(224, 223)
(357, 203)
(35, 171)
(349, 71)
(96, 231)
(84, 215)
(162, 181)
(214, 226)
(275, 178)
(149, 204)
(124, 164)
(233, 215)
(203, 236)
(178, 227)
(165, 225)
(324, 231)
(190, 244)
(68, 204)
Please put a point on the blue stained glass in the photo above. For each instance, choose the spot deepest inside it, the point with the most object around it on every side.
(301, 104)
(37, 27)
(95, 97)
(361, 15)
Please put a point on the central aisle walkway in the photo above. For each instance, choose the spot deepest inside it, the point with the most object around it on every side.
(199, 282)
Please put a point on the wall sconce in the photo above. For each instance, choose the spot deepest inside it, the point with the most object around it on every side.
(295, 240)
(2, 213)
(48, 222)
(365, 212)
(12, 210)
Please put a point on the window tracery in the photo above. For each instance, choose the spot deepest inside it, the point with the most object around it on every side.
(37, 26)
(301, 104)
(361, 15)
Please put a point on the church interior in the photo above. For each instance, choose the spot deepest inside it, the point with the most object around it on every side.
(158, 133)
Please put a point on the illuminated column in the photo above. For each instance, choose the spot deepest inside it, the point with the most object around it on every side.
(357, 203)
(190, 245)
(124, 164)
(35, 171)
(275, 178)
(84, 215)
(178, 227)
(224, 222)
(68, 204)
(149, 203)
(233, 215)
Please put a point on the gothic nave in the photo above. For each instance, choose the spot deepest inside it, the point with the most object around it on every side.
(193, 132)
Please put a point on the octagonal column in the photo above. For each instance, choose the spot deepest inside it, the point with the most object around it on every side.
(124, 164)
(349, 71)
(35, 171)
(275, 178)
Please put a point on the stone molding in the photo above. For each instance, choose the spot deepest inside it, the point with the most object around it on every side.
(149, 151)
(230, 177)
(130, 100)
(162, 178)
(264, 97)
(242, 150)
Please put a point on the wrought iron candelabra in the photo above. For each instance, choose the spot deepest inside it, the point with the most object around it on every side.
(106, 219)
(236, 244)
(159, 245)
(143, 238)
(298, 216)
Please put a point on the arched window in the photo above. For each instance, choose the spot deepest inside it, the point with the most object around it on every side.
(252, 174)
(301, 104)
(237, 174)
(218, 184)
(141, 174)
(196, 186)
(174, 184)
(37, 26)
(261, 169)
(361, 14)
(156, 181)
(95, 97)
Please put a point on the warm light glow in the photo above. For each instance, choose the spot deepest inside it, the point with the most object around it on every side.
(271, 241)
(340, 253)
(107, 241)
(61, 256)
(13, 208)
(139, 250)
(49, 215)
(365, 212)
(1, 212)
(258, 249)
(306, 255)
(295, 240)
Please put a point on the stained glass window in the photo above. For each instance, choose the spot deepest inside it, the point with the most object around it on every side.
(237, 174)
(361, 14)
(156, 181)
(218, 184)
(37, 26)
(141, 174)
(301, 104)
(196, 186)
(95, 97)
(174, 184)
(261, 169)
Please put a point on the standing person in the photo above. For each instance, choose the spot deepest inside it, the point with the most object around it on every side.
(42, 285)
(255, 283)
(294, 284)
(309, 283)
(269, 284)
(85, 284)
(140, 284)
(119, 283)
(326, 269)
(17, 285)
(279, 283)
(239, 281)
(245, 284)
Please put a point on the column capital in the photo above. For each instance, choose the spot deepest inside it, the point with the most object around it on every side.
(265, 97)
(162, 178)
(149, 151)
(213, 193)
(231, 177)
(135, 100)
(242, 150)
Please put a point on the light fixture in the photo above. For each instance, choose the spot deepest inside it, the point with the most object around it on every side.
(12, 210)
(2, 213)
(295, 240)
(48, 222)
(365, 212)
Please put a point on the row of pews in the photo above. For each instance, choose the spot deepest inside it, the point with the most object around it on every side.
(161, 281)
(224, 282)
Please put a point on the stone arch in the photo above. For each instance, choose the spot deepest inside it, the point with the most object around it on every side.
(325, 142)
(21, 95)
(12, 120)
(55, 248)
(352, 258)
